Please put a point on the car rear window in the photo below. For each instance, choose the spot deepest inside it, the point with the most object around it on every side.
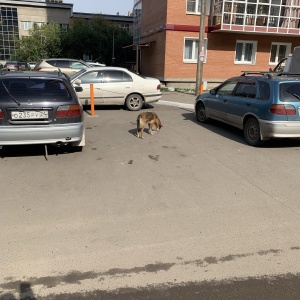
(35, 90)
(289, 91)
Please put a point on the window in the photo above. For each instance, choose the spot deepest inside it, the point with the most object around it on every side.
(92, 77)
(289, 92)
(194, 6)
(62, 64)
(40, 24)
(26, 25)
(117, 76)
(77, 65)
(264, 90)
(246, 90)
(191, 50)
(245, 52)
(227, 88)
(278, 52)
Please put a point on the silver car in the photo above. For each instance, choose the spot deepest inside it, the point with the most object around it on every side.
(39, 108)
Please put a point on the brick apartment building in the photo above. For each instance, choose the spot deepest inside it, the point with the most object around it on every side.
(240, 35)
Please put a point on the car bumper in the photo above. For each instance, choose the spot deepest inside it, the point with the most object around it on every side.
(152, 97)
(41, 134)
(273, 129)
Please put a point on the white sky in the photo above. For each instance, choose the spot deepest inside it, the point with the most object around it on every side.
(109, 7)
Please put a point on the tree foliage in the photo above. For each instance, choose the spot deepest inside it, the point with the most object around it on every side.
(42, 42)
(96, 38)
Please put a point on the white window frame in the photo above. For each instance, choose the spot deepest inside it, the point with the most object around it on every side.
(25, 25)
(253, 57)
(287, 52)
(194, 58)
(198, 7)
(40, 24)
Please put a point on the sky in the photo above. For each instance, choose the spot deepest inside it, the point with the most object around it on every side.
(108, 7)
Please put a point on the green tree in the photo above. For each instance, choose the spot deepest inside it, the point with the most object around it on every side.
(98, 39)
(42, 42)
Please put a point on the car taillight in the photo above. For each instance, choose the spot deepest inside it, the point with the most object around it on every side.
(68, 111)
(158, 87)
(282, 109)
(38, 69)
(1, 114)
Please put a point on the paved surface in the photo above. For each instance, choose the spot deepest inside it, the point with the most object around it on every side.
(177, 99)
(191, 212)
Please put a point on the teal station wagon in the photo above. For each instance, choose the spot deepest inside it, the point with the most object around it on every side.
(263, 105)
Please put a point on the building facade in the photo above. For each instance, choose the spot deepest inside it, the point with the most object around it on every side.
(239, 35)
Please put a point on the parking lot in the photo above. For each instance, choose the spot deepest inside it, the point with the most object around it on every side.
(192, 203)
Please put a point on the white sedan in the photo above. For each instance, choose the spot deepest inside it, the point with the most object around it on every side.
(116, 86)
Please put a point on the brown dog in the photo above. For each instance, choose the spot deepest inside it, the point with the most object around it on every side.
(149, 118)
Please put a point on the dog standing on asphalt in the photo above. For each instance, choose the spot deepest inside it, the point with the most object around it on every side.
(149, 118)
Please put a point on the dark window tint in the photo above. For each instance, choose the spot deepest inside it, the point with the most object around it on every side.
(264, 90)
(246, 90)
(116, 76)
(35, 90)
(62, 64)
(50, 62)
(289, 91)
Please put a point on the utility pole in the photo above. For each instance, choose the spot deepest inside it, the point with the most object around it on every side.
(201, 50)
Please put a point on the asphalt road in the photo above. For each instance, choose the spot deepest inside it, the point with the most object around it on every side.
(191, 212)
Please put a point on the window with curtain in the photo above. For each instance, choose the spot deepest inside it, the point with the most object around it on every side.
(278, 52)
(245, 52)
(191, 46)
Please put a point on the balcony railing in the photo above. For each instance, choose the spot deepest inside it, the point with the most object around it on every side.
(276, 16)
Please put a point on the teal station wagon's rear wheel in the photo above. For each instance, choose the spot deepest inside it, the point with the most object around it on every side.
(252, 132)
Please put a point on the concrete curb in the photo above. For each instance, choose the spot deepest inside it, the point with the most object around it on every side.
(176, 104)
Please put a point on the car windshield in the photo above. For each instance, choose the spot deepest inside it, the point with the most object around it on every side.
(33, 90)
(290, 92)
(77, 74)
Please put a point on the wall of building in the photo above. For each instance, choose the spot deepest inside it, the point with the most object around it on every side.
(153, 58)
(220, 61)
(221, 52)
(42, 14)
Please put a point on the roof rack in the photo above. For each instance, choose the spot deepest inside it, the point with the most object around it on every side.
(289, 74)
(269, 74)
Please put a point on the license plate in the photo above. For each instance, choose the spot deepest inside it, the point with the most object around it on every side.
(30, 114)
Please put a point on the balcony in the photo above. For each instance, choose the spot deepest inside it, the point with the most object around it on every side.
(259, 16)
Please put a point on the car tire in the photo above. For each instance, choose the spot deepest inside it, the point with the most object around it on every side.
(201, 114)
(134, 102)
(252, 132)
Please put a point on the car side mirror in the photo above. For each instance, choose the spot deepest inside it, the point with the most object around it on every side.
(77, 81)
(212, 92)
(78, 89)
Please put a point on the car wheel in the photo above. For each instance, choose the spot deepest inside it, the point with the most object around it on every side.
(252, 132)
(134, 102)
(201, 114)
